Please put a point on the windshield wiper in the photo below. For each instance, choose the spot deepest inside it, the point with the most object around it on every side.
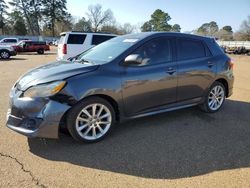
(84, 61)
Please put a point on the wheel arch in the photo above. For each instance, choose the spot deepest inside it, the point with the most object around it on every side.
(109, 99)
(4, 50)
(225, 84)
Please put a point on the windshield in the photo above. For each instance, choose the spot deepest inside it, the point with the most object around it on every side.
(107, 51)
(20, 43)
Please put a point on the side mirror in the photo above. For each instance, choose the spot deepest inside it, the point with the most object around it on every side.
(133, 59)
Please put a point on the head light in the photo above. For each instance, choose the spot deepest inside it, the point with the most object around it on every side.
(11, 48)
(44, 90)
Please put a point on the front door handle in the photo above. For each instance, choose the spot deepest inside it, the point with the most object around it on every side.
(210, 64)
(170, 70)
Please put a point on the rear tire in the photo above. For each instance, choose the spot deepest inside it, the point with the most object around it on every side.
(5, 54)
(40, 51)
(91, 120)
(214, 98)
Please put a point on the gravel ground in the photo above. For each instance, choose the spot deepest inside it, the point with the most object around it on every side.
(185, 148)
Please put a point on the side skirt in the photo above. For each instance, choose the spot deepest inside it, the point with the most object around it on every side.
(166, 108)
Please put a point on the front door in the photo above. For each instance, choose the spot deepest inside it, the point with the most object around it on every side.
(153, 83)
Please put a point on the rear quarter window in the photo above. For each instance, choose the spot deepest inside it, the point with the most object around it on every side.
(98, 39)
(76, 39)
(190, 49)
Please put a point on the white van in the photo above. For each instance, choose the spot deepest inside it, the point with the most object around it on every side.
(73, 43)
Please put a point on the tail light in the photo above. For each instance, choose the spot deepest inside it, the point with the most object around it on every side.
(230, 64)
(64, 50)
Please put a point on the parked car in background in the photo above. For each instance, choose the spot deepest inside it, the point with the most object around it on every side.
(7, 51)
(9, 41)
(236, 50)
(55, 42)
(32, 46)
(73, 43)
(127, 77)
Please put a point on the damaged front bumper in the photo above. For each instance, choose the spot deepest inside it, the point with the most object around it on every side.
(39, 117)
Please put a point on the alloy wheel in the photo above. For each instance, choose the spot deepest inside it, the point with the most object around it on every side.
(216, 97)
(93, 121)
(5, 55)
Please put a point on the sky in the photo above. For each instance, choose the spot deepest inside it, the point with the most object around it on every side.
(190, 14)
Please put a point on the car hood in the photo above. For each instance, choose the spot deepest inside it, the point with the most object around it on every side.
(52, 72)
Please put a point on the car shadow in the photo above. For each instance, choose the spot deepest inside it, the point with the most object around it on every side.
(172, 145)
(35, 53)
(13, 58)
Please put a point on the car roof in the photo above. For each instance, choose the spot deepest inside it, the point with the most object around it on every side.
(173, 34)
(79, 32)
(25, 40)
(9, 38)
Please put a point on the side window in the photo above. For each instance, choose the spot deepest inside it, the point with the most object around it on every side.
(28, 44)
(10, 40)
(155, 51)
(98, 39)
(76, 39)
(13, 40)
(190, 49)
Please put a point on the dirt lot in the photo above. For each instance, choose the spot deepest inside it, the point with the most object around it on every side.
(186, 148)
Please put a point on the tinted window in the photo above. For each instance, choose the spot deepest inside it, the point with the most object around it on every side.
(76, 39)
(98, 39)
(155, 51)
(28, 43)
(190, 49)
(37, 43)
(10, 40)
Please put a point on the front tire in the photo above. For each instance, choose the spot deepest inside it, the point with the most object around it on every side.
(5, 54)
(91, 120)
(215, 98)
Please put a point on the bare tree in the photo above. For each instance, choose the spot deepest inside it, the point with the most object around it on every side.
(244, 33)
(127, 28)
(245, 27)
(98, 17)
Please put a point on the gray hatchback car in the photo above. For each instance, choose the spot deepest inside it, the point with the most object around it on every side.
(126, 77)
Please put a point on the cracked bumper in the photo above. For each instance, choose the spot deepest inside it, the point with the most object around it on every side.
(35, 117)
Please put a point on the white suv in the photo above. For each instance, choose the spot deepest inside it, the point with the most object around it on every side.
(73, 43)
(8, 41)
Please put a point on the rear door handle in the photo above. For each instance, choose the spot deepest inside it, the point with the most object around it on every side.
(210, 64)
(170, 70)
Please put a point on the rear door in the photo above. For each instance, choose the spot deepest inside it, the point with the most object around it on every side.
(196, 68)
(71, 45)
